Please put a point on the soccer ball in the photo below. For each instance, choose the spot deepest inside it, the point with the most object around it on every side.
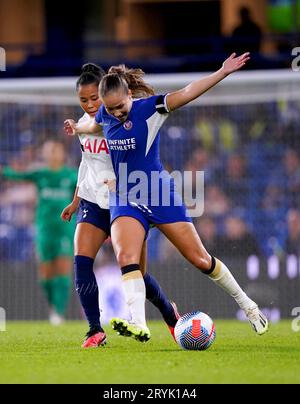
(195, 331)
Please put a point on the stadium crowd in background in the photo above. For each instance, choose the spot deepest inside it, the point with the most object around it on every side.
(238, 149)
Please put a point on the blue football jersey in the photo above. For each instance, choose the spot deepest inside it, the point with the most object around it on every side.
(136, 142)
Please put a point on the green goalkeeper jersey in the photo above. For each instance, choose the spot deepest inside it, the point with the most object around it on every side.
(55, 191)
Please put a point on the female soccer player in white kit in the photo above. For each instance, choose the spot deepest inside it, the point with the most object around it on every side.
(136, 125)
(93, 217)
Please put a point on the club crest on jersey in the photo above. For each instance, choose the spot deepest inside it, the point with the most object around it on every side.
(128, 125)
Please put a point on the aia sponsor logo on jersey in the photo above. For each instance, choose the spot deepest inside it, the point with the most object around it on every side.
(95, 146)
(128, 125)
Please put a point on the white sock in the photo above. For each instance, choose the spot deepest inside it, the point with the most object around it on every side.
(224, 278)
(135, 295)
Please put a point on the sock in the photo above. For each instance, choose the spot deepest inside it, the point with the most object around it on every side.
(221, 275)
(87, 289)
(61, 287)
(156, 296)
(135, 292)
(46, 285)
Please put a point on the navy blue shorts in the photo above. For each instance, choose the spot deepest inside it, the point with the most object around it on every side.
(89, 212)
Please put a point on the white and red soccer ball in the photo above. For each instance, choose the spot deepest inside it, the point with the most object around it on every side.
(195, 331)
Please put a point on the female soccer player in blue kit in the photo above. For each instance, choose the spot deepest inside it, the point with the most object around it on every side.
(93, 217)
(131, 128)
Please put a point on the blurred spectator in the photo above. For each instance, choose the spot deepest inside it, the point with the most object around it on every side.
(217, 204)
(16, 221)
(270, 224)
(287, 178)
(175, 146)
(274, 199)
(293, 237)
(291, 165)
(236, 180)
(200, 161)
(166, 250)
(217, 134)
(207, 230)
(246, 37)
(237, 240)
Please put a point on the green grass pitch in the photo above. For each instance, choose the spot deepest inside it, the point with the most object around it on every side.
(39, 353)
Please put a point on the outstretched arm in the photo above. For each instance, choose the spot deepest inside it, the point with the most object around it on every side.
(89, 127)
(13, 175)
(189, 93)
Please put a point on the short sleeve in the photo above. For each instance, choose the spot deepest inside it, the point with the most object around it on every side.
(148, 107)
(99, 116)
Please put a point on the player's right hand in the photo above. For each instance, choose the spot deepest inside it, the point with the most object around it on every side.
(68, 212)
(70, 127)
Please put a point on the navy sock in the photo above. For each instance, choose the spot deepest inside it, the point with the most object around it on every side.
(155, 295)
(87, 289)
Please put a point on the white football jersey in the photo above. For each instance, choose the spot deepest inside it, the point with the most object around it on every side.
(95, 167)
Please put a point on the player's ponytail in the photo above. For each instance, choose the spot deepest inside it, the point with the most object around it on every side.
(122, 78)
(91, 74)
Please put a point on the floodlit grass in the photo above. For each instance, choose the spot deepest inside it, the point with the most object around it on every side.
(38, 353)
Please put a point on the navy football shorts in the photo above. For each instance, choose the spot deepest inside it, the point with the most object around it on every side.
(89, 212)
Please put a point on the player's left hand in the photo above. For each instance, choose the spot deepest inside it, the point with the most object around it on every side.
(234, 62)
(68, 212)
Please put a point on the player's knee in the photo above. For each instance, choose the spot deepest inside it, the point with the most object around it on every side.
(126, 258)
(85, 252)
(201, 262)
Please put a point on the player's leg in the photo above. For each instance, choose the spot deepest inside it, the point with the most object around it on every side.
(156, 295)
(87, 242)
(60, 250)
(62, 266)
(128, 235)
(46, 249)
(185, 238)
(45, 276)
(93, 228)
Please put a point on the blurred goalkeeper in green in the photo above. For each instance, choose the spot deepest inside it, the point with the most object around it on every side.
(55, 184)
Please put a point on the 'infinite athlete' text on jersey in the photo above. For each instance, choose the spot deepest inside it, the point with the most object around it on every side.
(136, 142)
